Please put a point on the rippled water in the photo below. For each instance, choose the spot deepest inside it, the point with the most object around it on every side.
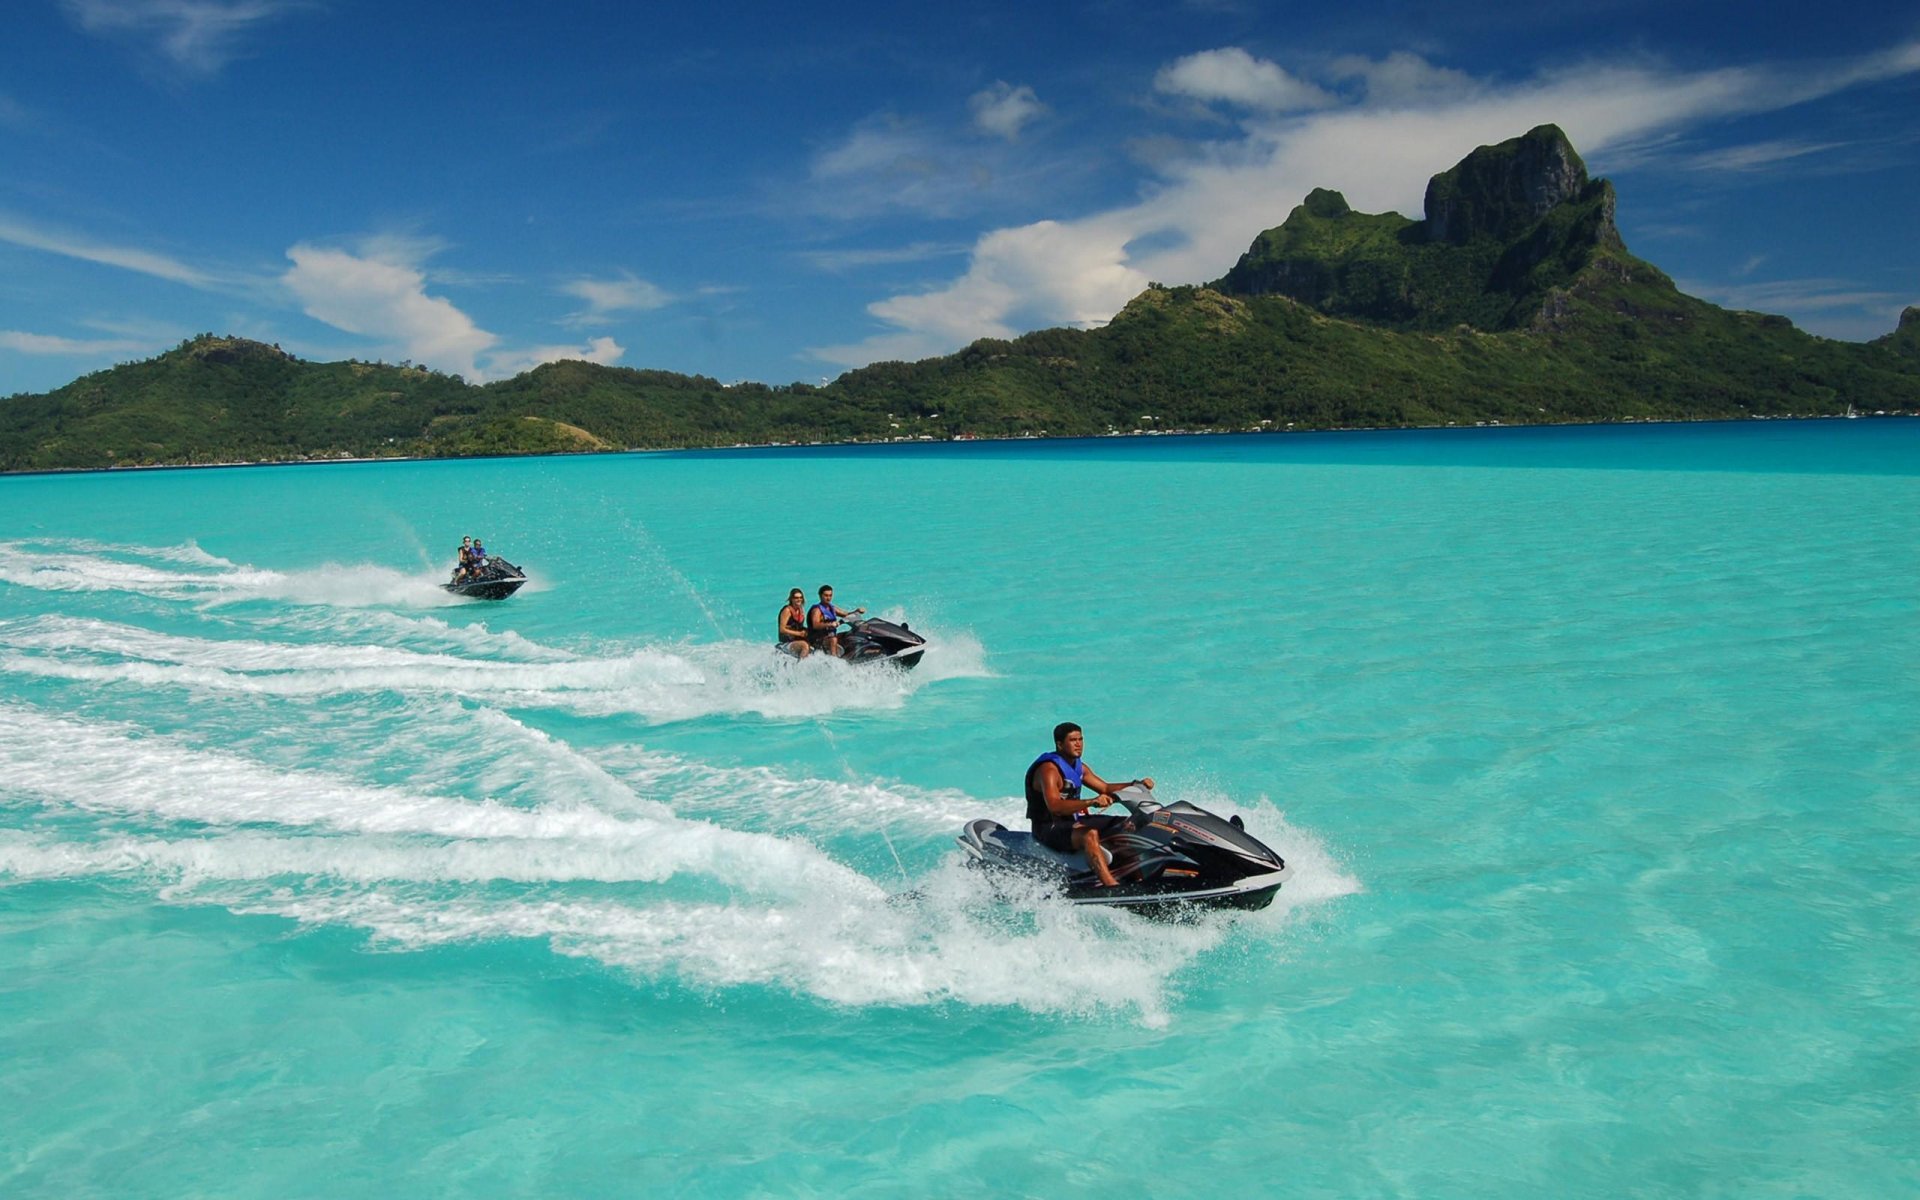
(1593, 751)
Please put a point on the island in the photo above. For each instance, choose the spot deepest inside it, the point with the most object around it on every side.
(1514, 301)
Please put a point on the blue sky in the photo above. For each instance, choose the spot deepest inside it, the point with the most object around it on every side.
(781, 192)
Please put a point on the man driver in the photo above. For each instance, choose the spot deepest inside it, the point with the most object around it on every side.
(1054, 805)
(823, 622)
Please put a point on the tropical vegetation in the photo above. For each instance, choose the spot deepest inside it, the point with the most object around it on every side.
(1514, 301)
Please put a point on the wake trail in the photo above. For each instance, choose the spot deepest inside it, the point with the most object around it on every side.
(655, 683)
(95, 768)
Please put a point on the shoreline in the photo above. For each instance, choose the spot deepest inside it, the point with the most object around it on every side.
(928, 440)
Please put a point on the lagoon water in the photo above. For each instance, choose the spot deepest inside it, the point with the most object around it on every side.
(1594, 751)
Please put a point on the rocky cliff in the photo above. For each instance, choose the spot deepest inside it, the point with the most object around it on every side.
(1505, 230)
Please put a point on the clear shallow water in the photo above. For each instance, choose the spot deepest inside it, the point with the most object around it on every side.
(1593, 750)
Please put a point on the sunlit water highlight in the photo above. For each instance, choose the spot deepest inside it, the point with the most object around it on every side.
(1593, 752)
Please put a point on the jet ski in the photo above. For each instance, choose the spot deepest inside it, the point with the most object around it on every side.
(1167, 857)
(496, 580)
(873, 640)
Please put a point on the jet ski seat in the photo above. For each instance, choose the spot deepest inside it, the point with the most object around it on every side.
(1027, 845)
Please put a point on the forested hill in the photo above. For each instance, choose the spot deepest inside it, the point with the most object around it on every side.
(1514, 300)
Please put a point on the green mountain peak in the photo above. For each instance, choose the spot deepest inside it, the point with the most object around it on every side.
(1512, 301)
(1505, 229)
(1326, 204)
(1905, 340)
(1500, 191)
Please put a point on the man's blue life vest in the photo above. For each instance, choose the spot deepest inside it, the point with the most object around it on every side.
(1071, 774)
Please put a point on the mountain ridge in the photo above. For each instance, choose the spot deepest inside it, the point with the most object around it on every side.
(1514, 299)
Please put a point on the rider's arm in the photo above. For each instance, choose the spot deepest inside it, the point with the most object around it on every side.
(1096, 785)
(1101, 786)
(1058, 804)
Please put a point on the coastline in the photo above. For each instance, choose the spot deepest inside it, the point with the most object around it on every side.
(959, 439)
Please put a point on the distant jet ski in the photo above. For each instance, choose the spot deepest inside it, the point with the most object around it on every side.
(496, 580)
(1168, 857)
(873, 640)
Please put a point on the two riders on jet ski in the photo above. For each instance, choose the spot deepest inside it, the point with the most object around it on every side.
(817, 629)
(1062, 819)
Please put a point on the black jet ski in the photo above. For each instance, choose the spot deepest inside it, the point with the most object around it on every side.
(873, 640)
(1167, 857)
(497, 580)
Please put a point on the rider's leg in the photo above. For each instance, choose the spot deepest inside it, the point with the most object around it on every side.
(1087, 841)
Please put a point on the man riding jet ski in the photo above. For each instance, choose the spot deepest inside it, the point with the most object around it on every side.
(1159, 858)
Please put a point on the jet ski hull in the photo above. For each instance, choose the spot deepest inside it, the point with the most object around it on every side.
(486, 589)
(906, 660)
(1248, 895)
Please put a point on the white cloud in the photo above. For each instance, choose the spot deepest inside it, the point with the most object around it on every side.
(848, 260)
(385, 300)
(1002, 110)
(606, 297)
(1799, 295)
(1835, 308)
(1757, 155)
(887, 164)
(199, 36)
(1380, 153)
(42, 343)
(879, 145)
(75, 246)
(1232, 76)
(1045, 273)
(1401, 79)
(602, 350)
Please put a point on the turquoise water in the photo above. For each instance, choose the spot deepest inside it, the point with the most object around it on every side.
(1593, 751)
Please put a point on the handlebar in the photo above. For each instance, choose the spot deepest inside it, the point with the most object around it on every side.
(1138, 801)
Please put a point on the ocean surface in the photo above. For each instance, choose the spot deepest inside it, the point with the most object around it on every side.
(1596, 753)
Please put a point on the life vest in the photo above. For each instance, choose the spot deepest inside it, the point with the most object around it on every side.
(1072, 771)
(780, 623)
(830, 615)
